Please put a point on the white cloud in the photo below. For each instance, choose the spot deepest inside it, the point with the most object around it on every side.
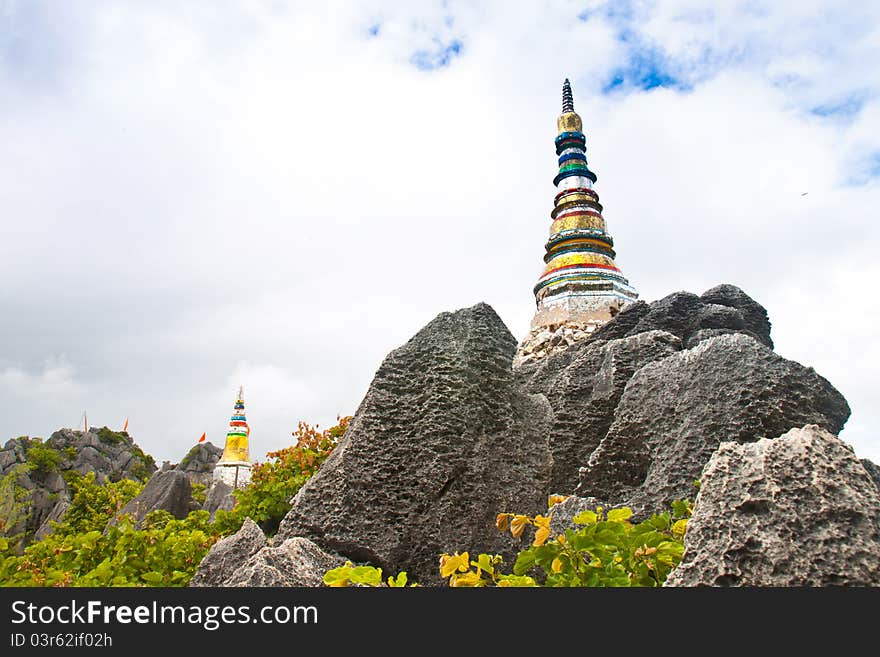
(272, 196)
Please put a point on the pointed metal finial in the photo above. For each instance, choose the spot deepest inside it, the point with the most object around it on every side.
(567, 100)
(241, 392)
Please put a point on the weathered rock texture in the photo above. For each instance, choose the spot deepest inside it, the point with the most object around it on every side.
(450, 434)
(296, 562)
(675, 412)
(443, 441)
(168, 490)
(873, 470)
(800, 510)
(219, 497)
(583, 386)
(110, 455)
(228, 555)
(199, 463)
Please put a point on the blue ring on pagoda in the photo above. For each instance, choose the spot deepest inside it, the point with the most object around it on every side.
(580, 248)
(570, 135)
(583, 172)
(238, 417)
(572, 156)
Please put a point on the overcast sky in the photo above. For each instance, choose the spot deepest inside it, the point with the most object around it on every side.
(195, 196)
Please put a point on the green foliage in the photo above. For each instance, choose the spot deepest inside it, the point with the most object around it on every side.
(92, 506)
(164, 552)
(110, 437)
(267, 499)
(14, 506)
(144, 466)
(351, 575)
(83, 550)
(199, 493)
(606, 550)
(43, 459)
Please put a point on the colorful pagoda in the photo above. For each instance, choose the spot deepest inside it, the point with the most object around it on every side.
(234, 466)
(580, 288)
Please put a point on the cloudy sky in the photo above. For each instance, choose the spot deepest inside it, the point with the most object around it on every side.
(197, 195)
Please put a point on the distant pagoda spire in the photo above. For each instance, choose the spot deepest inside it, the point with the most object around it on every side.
(580, 283)
(234, 466)
(567, 98)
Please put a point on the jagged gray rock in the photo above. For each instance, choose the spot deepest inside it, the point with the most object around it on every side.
(219, 497)
(108, 454)
(199, 463)
(443, 441)
(584, 385)
(724, 308)
(797, 510)
(296, 562)
(228, 555)
(167, 490)
(873, 470)
(675, 412)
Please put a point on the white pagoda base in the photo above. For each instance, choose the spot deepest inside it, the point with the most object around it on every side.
(236, 474)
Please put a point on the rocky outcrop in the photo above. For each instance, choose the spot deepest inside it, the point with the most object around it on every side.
(219, 498)
(296, 562)
(798, 510)
(723, 309)
(167, 490)
(873, 469)
(443, 441)
(199, 463)
(675, 412)
(584, 386)
(110, 455)
(228, 555)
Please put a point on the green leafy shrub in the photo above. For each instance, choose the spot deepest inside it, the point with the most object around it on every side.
(351, 575)
(110, 437)
(14, 505)
(607, 550)
(199, 493)
(43, 459)
(91, 505)
(267, 499)
(164, 552)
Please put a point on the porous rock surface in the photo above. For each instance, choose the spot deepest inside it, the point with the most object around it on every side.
(443, 441)
(675, 412)
(229, 554)
(797, 510)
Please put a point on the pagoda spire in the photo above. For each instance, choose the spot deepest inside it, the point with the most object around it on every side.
(581, 285)
(234, 466)
(567, 98)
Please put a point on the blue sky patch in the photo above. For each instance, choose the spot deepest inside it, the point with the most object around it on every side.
(845, 108)
(646, 69)
(440, 56)
(373, 30)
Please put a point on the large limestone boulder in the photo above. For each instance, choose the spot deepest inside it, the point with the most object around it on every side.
(219, 498)
(675, 412)
(198, 464)
(296, 562)
(229, 554)
(723, 309)
(583, 386)
(797, 510)
(167, 490)
(443, 441)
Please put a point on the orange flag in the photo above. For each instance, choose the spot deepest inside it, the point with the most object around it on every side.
(202, 439)
(125, 426)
